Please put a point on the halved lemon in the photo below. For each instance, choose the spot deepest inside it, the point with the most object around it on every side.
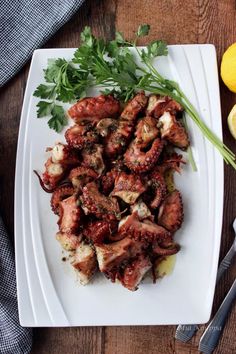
(232, 121)
(228, 68)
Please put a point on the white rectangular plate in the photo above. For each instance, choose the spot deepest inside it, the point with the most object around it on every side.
(48, 292)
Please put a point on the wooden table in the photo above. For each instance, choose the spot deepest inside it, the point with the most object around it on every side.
(176, 21)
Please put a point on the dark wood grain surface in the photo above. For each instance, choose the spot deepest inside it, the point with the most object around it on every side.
(176, 21)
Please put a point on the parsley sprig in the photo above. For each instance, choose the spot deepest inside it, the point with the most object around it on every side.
(64, 83)
(113, 67)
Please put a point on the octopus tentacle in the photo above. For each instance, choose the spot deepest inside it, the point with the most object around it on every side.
(96, 107)
(134, 107)
(157, 105)
(79, 136)
(173, 131)
(108, 181)
(145, 230)
(58, 195)
(141, 161)
(158, 186)
(171, 212)
(64, 154)
(146, 131)
(93, 158)
(166, 251)
(118, 139)
(70, 215)
(80, 176)
(54, 173)
(93, 202)
(134, 272)
(170, 162)
(99, 231)
(128, 187)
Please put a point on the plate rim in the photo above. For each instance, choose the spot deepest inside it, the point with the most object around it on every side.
(18, 174)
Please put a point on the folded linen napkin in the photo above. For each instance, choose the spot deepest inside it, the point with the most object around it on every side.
(26, 25)
(14, 339)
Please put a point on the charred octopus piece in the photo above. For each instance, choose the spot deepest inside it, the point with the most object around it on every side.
(170, 162)
(118, 139)
(64, 154)
(62, 158)
(85, 262)
(134, 272)
(158, 187)
(158, 105)
(112, 255)
(93, 158)
(54, 173)
(142, 211)
(70, 215)
(128, 187)
(58, 195)
(80, 135)
(142, 161)
(97, 107)
(106, 125)
(146, 131)
(145, 230)
(165, 248)
(134, 107)
(80, 176)
(93, 202)
(173, 131)
(108, 181)
(99, 231)
(171, 212)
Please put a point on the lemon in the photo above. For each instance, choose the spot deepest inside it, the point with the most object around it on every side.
(232, 121)
(228, 68)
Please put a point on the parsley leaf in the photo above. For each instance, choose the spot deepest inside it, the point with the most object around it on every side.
(44, 108)
(119, 38)
(107, 92)
(58, 120)
(157, 49)
(113, 49)
(143, 30)
(87, 37)
(52, 73)
(45, 91)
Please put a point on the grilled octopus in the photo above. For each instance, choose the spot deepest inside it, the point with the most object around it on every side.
(93, 202)
(118, 139)
(95, 107)
(158, 105)
(80, 135)
(128, 187)
(144, 151)
(142, 161)
(109, 186)
(62, 158)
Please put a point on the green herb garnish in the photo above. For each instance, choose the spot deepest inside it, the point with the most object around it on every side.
(112, 67)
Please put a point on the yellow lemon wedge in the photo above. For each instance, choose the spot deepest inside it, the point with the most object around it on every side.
(232, 121)
(228, 68)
